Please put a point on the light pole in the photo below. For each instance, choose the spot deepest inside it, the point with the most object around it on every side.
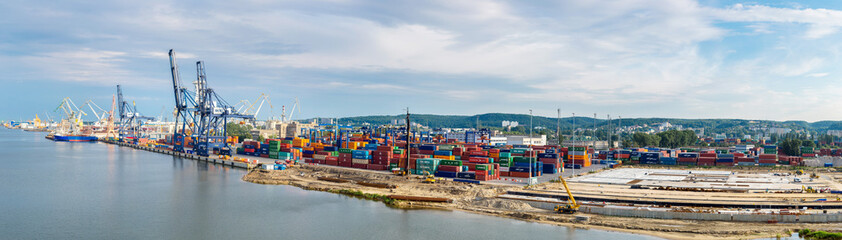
(529, 182)
(558, 133)
(593, 141)
(572, 158)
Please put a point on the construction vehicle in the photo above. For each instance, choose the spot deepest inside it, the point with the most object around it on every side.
(808, 189)
(571, 206)
(429, 177)
(799, 172)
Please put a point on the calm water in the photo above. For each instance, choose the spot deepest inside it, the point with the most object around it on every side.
(59, 190)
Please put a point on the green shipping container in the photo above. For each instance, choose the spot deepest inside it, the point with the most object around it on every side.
(450, 162)
(482, 167)
(523, 159)
(505, 155)
(397, 151)
(345, 150)
(517, 151)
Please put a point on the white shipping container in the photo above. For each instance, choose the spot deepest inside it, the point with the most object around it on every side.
(359, 161)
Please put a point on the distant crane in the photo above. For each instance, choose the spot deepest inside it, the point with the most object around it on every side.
(131, 121)
(247, 107)
(73, 116)
(291, 113)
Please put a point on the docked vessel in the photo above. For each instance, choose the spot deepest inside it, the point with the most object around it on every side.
(70, 129)
(74, 138)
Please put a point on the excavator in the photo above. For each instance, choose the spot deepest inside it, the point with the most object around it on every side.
(572, 206)
(429, 177)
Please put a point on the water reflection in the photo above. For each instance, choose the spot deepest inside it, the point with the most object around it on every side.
(100, 191)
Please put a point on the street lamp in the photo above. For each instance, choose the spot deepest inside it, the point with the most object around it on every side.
(529, 182)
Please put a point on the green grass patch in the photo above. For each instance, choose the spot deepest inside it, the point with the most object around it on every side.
(370, 196)
(819, 235)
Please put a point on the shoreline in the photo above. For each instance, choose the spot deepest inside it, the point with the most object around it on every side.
(482, 199)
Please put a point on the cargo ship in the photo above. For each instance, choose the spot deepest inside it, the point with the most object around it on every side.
(74, 138)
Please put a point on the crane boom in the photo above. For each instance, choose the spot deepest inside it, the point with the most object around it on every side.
(572, 206)
(569, 194)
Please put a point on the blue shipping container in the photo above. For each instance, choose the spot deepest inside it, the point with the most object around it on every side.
(468, 175)
(445, 174)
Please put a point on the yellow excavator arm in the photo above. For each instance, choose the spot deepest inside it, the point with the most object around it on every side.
(569, 195)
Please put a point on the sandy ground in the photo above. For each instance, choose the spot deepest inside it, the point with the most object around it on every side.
(482, 199)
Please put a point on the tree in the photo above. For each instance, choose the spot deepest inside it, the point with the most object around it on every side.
(675, 138)
(791, 147)
(643, 139)
(241, 131)
(808, 143)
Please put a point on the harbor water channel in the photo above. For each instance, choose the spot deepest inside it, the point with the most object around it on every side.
(63, 190)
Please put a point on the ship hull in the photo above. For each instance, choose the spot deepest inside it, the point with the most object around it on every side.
(71, 138)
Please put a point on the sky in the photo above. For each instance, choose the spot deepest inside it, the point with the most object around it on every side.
(770, 60)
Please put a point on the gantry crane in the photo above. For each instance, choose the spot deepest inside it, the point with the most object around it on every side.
(204, 112)
(131, 121)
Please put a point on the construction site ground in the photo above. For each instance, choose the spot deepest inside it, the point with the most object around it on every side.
(483, 199)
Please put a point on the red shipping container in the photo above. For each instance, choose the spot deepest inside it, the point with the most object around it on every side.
(332, 162)
(548, 160)
(381, 153)
(359, 165)
(482, 177)
(478, 159)
(384, 148)
(478, 153)
(471, 166)
(519, 174)
(380, 162)
(378, 167)
(478, 172)
(450, 168)
(505, 174)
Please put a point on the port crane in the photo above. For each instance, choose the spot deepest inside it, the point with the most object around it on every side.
(571, 206)
(203, 111)
(131, 121)
(291, 112)
(73, 120)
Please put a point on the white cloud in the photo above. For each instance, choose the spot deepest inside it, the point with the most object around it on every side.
(605, 53)
(823, 22)
(86, 65)
(824, 74)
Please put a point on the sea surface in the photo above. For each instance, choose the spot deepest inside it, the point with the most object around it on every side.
(61, 190)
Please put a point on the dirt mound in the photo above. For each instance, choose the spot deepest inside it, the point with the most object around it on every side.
(504, 204)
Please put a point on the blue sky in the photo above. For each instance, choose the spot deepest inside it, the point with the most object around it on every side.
(776, 60)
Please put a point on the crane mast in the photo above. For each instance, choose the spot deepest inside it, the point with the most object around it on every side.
(206, 112)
